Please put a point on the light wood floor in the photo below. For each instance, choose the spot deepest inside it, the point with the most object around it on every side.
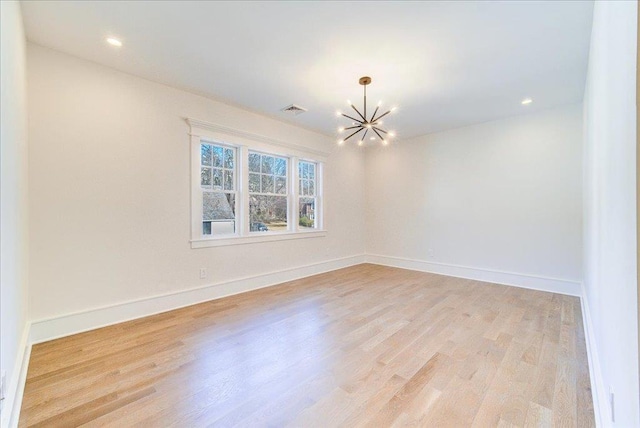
(362, 346)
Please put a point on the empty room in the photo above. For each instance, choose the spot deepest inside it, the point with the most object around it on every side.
(319, 214)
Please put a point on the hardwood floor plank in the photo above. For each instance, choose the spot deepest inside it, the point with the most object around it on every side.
(362, 346)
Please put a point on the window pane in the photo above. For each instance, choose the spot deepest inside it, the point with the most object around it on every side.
(307, 213)
(228, 158)
(206, 228)
(267, 164)
(267, 184)
(228, 180)
(254, 162)
(205, 177)
(205, 154)
(217, 156)
(267, 213)
(217, 179)
(306, 179)
(218, 209)
(281, 167)
(281, 185)
(254, 182)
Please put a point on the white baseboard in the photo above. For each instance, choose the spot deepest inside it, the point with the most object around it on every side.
(15, 390)
(600, 403)
(553, 285)
(67, 324)
(78, 322)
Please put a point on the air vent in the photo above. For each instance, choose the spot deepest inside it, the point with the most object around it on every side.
(293, 110)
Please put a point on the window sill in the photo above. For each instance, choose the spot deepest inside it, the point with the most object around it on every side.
(253, 239)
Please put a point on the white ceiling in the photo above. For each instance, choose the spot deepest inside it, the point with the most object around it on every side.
(445, 64)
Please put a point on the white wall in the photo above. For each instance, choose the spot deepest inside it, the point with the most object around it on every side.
(610, 206)
(13, 200)
(109, 190)
(500, 196)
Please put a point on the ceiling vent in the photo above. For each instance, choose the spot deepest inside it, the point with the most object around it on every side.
(293, 110)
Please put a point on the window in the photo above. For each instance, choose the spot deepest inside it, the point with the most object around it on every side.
(268, 193)
(307, 185)
(217, 180)
(247, 188)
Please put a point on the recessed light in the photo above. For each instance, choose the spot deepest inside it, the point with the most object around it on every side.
(114, 42)
(526, 101)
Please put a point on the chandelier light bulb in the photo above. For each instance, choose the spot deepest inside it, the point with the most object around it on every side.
(340, 142)
(349, 102)
(384, 142)
(392, 134)
(338, 113)
(341, 129)
(114, 42)
(379, 103)
(394, 108)
(372, 138)
(360, 142)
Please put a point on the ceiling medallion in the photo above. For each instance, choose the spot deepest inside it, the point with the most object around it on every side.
(365, 124)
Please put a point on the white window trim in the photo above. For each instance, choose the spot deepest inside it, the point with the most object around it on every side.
(243, 142)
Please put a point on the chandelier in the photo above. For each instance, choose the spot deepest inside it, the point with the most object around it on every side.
(365, 124)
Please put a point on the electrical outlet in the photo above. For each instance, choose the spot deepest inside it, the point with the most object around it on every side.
(3, 384)
(203, 273)
(612, 404)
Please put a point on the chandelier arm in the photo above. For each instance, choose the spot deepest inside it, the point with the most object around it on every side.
(353, 127)
(383, 115)
(365, 133)
(359, 114)
(374, 130)
(374, 114)
(353, 134)
(353, 118)
(380, 129)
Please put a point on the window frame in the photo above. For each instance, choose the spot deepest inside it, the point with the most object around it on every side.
(235, 191)
(316, 193)
(243, 143)
(289, 160)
